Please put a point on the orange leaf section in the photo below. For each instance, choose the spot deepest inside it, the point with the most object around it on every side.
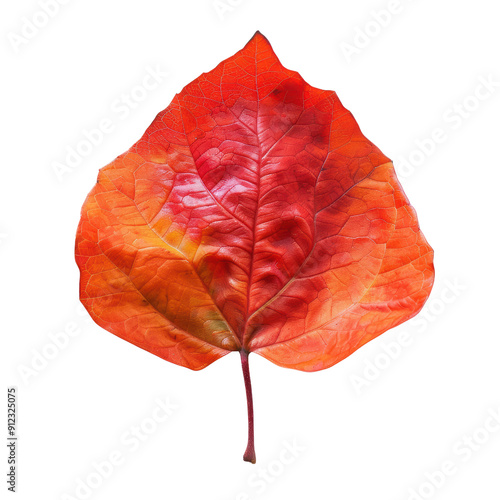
(252, 215)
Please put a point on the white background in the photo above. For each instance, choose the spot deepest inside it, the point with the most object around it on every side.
(373, 426)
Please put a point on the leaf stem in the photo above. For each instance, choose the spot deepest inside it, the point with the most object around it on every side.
(249, 455)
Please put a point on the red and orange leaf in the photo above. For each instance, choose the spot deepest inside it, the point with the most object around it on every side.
(252, 216)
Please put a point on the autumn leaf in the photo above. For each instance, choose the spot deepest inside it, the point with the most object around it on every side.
(252, 216)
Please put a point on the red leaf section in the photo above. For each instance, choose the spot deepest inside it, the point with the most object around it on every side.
(252, 216)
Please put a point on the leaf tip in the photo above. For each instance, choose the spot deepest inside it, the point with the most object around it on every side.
(258, 35)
